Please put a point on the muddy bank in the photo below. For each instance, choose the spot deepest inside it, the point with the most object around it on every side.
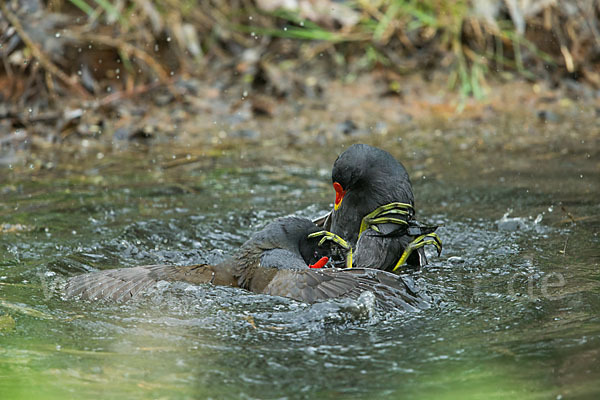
(205, 118)
(221, 74)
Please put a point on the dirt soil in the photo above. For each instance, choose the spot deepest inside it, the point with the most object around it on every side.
(195, 118)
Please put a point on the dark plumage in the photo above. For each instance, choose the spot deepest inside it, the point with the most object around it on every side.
(365, 178)
(274, 261)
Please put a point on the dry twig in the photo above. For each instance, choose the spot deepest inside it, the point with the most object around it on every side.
(124, 47)
(38, 54)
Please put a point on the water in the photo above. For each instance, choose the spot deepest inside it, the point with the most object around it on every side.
(517, 313)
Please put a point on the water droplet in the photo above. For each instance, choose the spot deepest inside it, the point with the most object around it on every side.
(285, 28)
(156, 47)
(301, 23)
(57, 34)
(250, 17)
(171, 73)
(168, 38)
(245, 94)
(79, 72)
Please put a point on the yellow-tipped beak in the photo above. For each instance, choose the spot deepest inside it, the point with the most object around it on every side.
(339, 195)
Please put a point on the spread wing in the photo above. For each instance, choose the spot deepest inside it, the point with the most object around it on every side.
(124, 283)
(117, 284)
(391, 291)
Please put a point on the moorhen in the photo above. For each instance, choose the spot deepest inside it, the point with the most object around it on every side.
(374, 210)
(284, 259)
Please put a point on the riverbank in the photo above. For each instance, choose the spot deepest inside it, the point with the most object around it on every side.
(206, 119)
(82, 80)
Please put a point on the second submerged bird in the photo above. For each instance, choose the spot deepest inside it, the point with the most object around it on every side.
(276, 261)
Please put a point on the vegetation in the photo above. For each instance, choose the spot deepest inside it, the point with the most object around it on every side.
(141, 42)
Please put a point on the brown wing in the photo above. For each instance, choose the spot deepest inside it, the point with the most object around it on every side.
(125, 283)
(391, 291)
(117, 284)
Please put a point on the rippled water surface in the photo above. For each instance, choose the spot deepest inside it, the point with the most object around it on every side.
(518, 313)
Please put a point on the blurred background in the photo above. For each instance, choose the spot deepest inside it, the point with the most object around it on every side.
(107, 70)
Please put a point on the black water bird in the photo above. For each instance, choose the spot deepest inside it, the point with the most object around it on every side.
(283, 259)
(374, 210)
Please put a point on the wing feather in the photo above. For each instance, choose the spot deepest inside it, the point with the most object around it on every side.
(391, 291)
(112, 284)
(125, 283)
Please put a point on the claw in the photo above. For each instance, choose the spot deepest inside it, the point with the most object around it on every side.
(384, 215)
(337, 240)
(421, 241)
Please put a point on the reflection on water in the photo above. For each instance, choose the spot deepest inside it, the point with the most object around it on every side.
(517, 300)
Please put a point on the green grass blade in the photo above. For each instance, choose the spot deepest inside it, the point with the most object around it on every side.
(83, 6)
(389, 16)
(112, 11)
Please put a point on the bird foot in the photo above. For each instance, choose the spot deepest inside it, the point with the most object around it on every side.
(421, 241)
(328, 236)
(387, 214)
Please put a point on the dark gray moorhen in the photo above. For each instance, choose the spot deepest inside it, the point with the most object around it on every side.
(374, 210)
